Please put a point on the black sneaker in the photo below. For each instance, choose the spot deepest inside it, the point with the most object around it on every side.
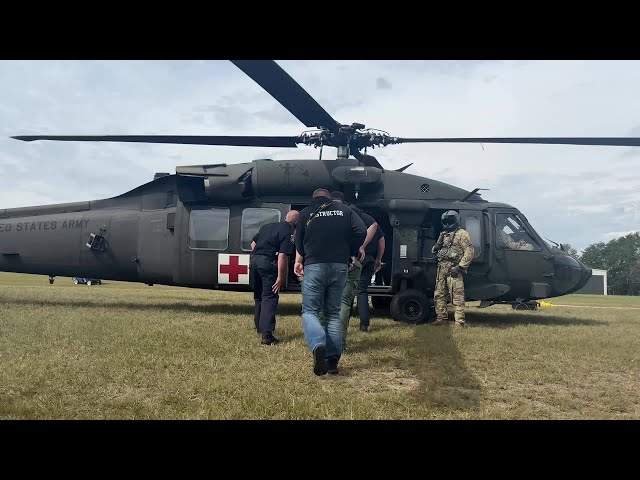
(364, 328)
(319, 362)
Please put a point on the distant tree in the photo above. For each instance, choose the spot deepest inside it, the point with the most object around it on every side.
(621, 258)
(570, 250)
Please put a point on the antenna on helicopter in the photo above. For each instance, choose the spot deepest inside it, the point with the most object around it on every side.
(471, 194)
(402, 169)
(555, 243)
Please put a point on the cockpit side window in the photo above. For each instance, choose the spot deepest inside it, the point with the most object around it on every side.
(513, 234)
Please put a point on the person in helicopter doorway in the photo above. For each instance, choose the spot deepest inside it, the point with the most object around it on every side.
(454, 251)
(357, 262)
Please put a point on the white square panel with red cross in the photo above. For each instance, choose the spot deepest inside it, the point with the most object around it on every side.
(233, 268)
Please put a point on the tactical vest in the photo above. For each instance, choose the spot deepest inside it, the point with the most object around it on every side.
(451, 252)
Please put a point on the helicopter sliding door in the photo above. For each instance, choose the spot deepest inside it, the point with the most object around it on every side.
(214, 242)
(155, 246)
(203, 234)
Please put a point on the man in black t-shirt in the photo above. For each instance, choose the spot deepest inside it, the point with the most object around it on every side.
(327, 235)
(271, 248)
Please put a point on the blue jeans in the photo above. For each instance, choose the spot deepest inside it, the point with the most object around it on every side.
(322, 290)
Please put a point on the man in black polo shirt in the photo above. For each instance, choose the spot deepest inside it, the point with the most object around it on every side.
(326, 236)
(271, 248)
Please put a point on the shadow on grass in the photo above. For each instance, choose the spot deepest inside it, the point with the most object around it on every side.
(211, 308)
(506, 320)
(433, 359)
(431, 369)
(487, 318)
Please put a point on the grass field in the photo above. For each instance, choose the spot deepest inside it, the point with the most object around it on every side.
(128, 351)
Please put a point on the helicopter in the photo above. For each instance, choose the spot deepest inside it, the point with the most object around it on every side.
(194, 228)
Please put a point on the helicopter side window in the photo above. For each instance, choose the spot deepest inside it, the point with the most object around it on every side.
(252, 220)
(511, 234)
(171, 199)
(209, 229)
(472, 225)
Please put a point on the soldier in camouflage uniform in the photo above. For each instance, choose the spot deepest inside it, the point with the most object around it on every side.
(510, 243)
(454, 251)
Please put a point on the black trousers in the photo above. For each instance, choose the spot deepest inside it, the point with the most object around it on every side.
(264, 271)
(363, 296)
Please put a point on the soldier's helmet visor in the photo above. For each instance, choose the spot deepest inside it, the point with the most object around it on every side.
(449, 221)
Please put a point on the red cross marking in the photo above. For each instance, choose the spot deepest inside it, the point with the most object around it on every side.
(234, 269)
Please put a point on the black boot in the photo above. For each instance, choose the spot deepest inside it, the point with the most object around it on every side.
(269, 339)
(332, 363)
(319, 362)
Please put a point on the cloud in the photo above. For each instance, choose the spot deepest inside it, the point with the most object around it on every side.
(634, 132)
(382, 84)
(604, 208)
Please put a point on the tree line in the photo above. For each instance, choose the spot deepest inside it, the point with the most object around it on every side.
(620, 257)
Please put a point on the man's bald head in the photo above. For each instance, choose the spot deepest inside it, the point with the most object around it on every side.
(292, 217)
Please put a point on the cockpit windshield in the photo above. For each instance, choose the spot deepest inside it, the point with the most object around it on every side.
(512, 233)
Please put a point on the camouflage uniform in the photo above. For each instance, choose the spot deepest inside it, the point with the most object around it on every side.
(510, 243)
(456, 249)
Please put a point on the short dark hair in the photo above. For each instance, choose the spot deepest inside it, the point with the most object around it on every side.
(337, 195)
(320, 192)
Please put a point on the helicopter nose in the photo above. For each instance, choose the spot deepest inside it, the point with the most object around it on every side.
(570, 274)
(586, 275)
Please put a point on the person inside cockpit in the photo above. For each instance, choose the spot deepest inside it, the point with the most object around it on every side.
(506, 228)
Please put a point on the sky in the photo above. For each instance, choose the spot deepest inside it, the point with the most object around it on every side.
(570, 194)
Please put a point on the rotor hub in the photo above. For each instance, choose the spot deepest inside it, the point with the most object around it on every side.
(354, 136)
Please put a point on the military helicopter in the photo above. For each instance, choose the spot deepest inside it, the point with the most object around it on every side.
(194, 228)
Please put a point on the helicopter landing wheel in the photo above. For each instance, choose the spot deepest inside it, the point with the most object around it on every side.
(410, 306)
(525, 306)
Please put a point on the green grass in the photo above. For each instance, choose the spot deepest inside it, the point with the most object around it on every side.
(129, 351)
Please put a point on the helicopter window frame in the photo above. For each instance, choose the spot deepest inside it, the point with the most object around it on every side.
(217, 228)
(514, 220)
(243, 228)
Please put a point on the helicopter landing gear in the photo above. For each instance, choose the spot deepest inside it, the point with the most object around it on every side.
(411, 306)
(525, 305)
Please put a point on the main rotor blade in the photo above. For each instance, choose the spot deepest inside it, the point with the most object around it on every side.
(237, 141)
(279, 84)
(613, 141)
